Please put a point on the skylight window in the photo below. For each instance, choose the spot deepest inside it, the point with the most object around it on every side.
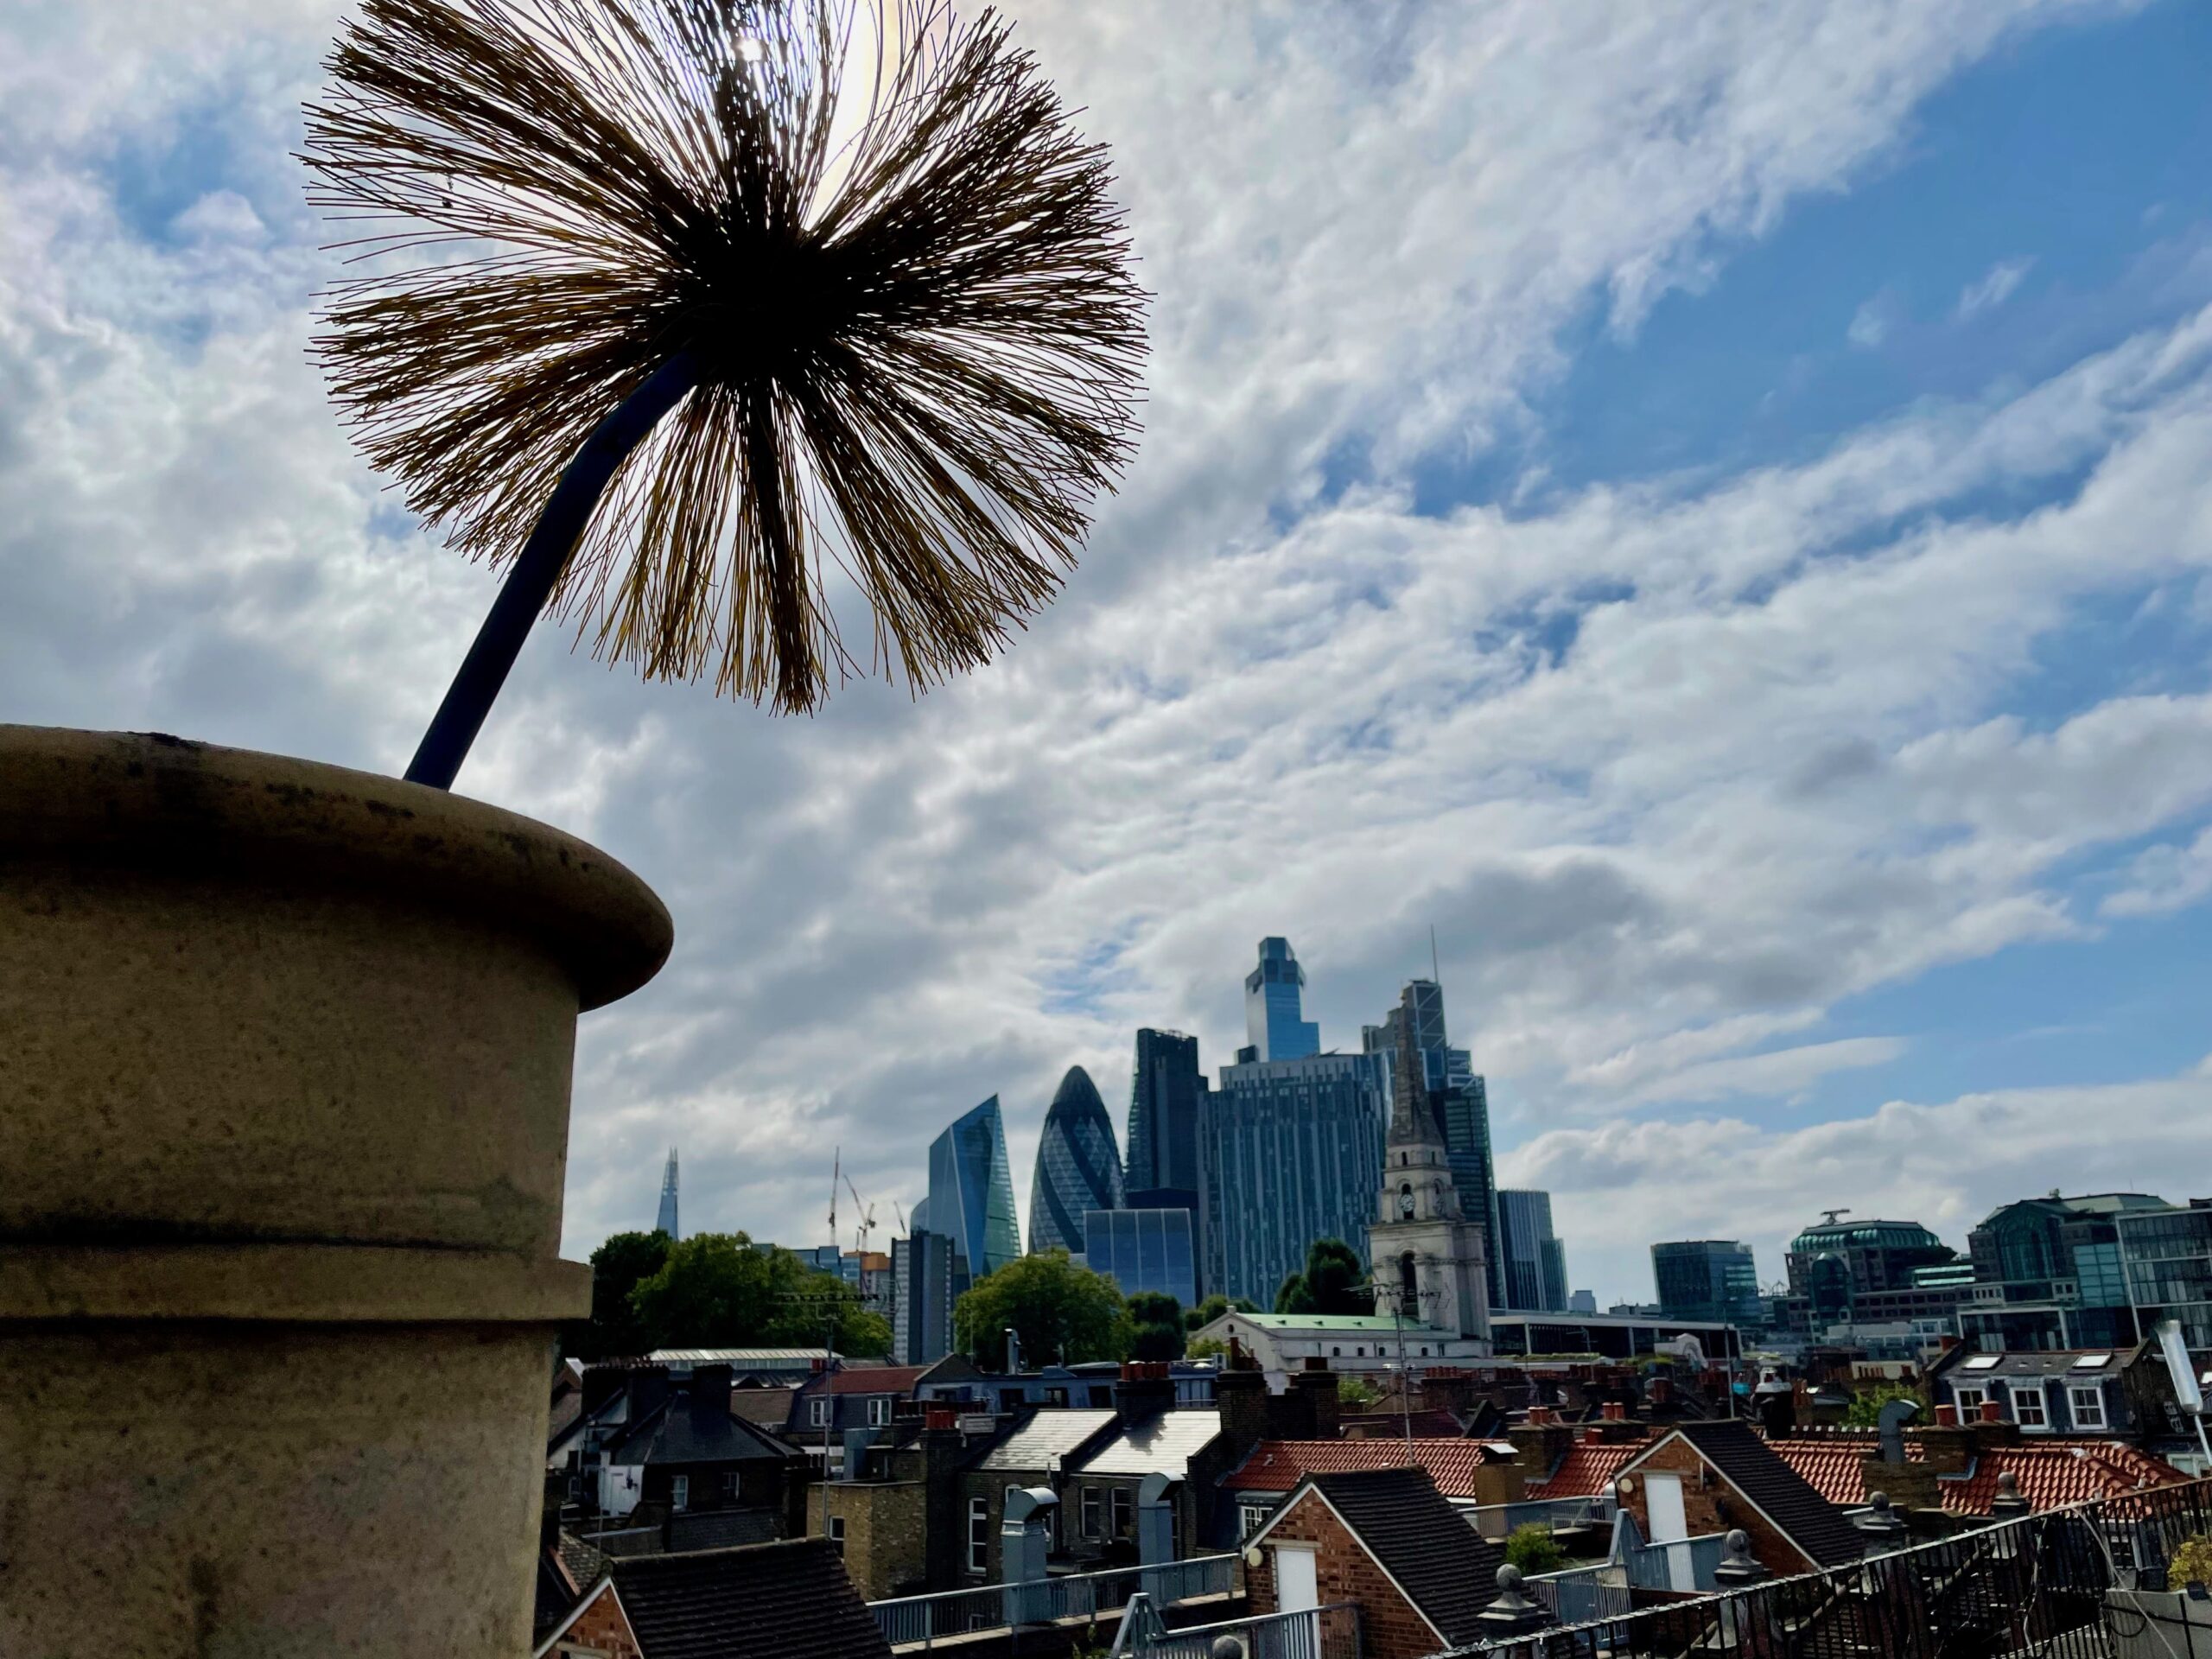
(1982, 1362)
(2092, 1362)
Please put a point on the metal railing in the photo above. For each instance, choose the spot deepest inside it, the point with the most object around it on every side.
(1687, 1563)
(2042, 1585)
(1498, 1521)
(1581, 1595)
(1330, 1632)
(906, 1620)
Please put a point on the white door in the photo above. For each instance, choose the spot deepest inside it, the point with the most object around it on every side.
(1662, 1503)
(1297, 1587)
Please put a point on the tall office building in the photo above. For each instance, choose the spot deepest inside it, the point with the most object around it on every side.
(1078, 1167)
(1460, 1102)
(1274, 1026)
(2166, 1259)
(666, 1221)
(1163, 1148)
(971, 1194)
(921, 1297)
(1144, 1250)
(1289, 1151)
(1535, 1261)
(1707, 1278)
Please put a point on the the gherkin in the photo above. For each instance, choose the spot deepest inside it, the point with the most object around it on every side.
(1078, 1167)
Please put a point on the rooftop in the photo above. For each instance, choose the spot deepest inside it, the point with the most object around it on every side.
(1446, 1569)
(1278, 1465)
(2050, 1473)
(1811, 1521)
(1045, 1435)
(1587, 1471)
(1365, 1323)
(1164, 1445)
(763, 1601)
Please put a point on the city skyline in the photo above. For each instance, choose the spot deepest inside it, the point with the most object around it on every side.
(1756, 620)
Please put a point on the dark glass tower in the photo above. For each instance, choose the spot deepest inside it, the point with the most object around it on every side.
(1164, 1096)
(971, 1194)
(666, 1223)
(1078, 1167)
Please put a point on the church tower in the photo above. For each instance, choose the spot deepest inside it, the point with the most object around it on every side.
(1427, 1258)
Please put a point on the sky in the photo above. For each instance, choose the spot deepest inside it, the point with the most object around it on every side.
(1706, 505)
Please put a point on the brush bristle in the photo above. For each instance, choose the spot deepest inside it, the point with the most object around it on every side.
(919, 349)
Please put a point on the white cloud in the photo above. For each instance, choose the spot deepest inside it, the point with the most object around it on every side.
(1872, 322)
(1995, 286)
(1618, 1187)
(1771, 768)
(2164, 878)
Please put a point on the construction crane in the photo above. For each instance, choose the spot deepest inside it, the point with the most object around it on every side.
(866, 1229)
(904, 1231)
(837, 1170)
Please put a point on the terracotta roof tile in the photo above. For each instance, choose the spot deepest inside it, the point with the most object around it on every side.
(1587, 1471)
(1278, 1465)
(2051, 1473)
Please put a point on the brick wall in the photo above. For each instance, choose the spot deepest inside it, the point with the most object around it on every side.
(886, 1534)
(1714, 1507)
(1344, 1571)
(599, 1630)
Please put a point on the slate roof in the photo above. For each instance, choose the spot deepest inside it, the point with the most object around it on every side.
(881, 1379)
(1163, 1444)
(1447, 1568)
(1587, 1470)
(769, 1407)
(768, 1601)
(1058, 1433)
(2050, 1473)
(2083, 1364)
(1278, 1465)
(1811, 1522)
(676, 1434)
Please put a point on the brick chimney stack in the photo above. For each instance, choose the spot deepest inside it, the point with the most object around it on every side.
(1242, 1399)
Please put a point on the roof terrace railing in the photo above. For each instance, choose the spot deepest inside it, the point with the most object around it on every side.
(907, 1621)
(2037, 1586)
(1327, 1632)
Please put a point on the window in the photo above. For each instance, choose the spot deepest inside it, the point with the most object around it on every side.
(680, 1491)
(1056, 1396)
(879, 1410)
(1250, 1518)
(1970, 1401)
(1090, 1511)
(979, 1534)
(2088, 1406)
(818, 1412)
(2028, 1407)
(1125, 1511)
(837, 1533)
(729, 1485)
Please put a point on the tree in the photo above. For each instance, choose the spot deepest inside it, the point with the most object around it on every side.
(1334, 1282)
(1060, 1312)
(716, 1291)
(617, 1266)
(1358, 1393)
(1206, 1347)
(1197, 1319)
(1155, 1325)
(1533, 1549)
(1865, 1409)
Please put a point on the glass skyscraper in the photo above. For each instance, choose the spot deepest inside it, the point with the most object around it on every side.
(1707, 1278)
(1078, 1167)
(666, 1221)
(1274, 1026)
(1164, 1096)
(921, 1297)
(1143, 1250)
(2166, 1260)
(1290, 1150)
(1535, 1261)
(971, 1194)
(1461, 1103)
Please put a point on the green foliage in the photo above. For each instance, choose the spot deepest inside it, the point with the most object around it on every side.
(617, 1266)
(1356, 1393)
(1213, 1307)
(1865, 1409)
(2191, 1563)
(1155, 1325)
(715, 1290)
(1206, 1347)
(1060, 1312)
(1334, 1282)
(1533, 1549)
